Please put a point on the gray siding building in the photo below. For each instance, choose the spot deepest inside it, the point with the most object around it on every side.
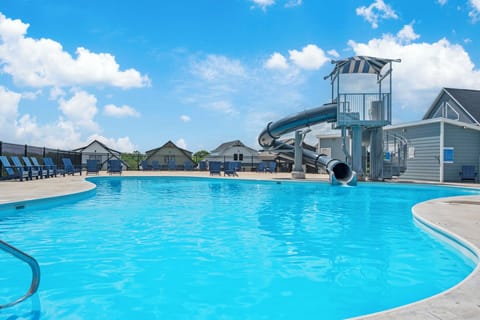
(448, 137)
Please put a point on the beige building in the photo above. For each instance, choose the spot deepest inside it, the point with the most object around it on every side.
(169, 157)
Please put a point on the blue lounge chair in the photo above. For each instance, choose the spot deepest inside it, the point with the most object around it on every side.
(114, 166)
(155, 165)
(145, 166)
(36, 171)
(45, 170)
(70, 168)
(14, 172)
(31, 173)
(92, 166)
(468, 173)
(188, 166)
(171, 165)
(52, 166)
(272, 165)
(261, 167)
(230, 169)
(214, 167)
(202, 165)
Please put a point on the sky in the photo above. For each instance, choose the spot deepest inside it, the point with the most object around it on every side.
(136, 74)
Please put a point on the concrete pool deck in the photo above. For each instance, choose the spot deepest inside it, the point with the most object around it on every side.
(459, 216)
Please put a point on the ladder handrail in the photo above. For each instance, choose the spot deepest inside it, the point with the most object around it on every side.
(33, 265)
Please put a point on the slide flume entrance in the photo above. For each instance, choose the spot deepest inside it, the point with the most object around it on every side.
(339, 171)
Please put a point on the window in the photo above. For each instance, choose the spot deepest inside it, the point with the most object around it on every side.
(387, 156)
(240, 157)
(235, 157)
(448, 155)
(411, 152)
(446, 111)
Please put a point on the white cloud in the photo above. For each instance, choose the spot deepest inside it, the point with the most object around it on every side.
(56, 93)
(311, 57)
(293, 3)
(185, 118)
(474, 14)
(376, 11)
(407, 34)
(81, 108)
(122, 144)
(43, 62)
(442, 2)
(216, 67)
(8, 112)
(222, 106)
(425, 68)
(181, 143)
(31, 95)
(276, 61)
(333, 53)
(120, 112)
(262, 3)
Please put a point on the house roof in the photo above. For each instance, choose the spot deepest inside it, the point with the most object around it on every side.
(227, 145)
(96, 141)
(169, 142)
(467, 99)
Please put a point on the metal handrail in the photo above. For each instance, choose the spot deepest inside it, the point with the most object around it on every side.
(33, 265)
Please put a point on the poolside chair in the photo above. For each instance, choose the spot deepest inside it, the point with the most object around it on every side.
(31, 173)
(202, 165)
(272, 165)
(92, 166)
(114, 166)
(261, 167)
(45, 170)
(215, 167)
(14, 172)
(145, 166)
(34, 171)
(468, 173)
(52, 166)
(155, 165)
(70, 168)
(188, 165)
(171, 165)
(230, 169)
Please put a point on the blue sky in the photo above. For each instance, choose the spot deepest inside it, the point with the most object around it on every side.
(135, 74)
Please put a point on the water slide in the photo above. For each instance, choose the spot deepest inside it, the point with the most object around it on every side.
(339, 171)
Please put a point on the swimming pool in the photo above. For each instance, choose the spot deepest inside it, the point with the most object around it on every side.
(183, 248)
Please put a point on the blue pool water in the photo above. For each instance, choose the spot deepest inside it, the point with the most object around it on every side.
(192, 248)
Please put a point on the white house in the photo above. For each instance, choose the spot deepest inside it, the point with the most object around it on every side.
(96, 150)
(235, 151)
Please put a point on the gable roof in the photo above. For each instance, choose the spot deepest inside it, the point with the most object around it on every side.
(169, 142)
(101, 144)
(230, 144)
(467, 99)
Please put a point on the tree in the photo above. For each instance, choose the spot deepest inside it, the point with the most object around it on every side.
(132, 159)
(200, 155)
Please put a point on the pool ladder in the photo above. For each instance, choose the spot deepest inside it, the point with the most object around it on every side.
(33, 265)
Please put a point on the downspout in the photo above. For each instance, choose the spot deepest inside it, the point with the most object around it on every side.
(442, 145)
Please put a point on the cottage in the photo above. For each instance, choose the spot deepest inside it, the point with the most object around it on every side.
(236, 151)
(99, 151)
(169, 157)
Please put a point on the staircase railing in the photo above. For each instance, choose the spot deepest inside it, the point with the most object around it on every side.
(33, 265)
